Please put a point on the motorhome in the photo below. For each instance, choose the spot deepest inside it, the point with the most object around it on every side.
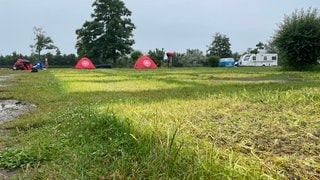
(260, 59)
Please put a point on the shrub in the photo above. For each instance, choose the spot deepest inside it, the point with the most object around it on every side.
(213, 61)
(298, 39)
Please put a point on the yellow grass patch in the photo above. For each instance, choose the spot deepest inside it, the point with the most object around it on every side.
(128, 86)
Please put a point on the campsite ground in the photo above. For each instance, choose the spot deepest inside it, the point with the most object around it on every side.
(10, 108)
(210, 123)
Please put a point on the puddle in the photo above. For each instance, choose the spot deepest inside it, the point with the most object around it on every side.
(10, 109)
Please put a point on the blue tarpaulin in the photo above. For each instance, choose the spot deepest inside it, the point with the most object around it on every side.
(40, 65)
(226, 62)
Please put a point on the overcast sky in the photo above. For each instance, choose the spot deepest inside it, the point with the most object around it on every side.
(175, 25)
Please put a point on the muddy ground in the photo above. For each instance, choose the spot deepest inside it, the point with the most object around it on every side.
(9, 110)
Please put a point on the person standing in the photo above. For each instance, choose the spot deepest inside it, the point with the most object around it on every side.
(46, 64)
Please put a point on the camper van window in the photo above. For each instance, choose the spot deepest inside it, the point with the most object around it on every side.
(274, 58)
(254, 58)
(265, 58)
(246, 58)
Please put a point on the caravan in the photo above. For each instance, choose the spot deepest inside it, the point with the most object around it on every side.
(260, 59)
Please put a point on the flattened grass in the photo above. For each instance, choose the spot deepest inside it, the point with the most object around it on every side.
(238, 123)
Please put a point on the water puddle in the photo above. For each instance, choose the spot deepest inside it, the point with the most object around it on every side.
(10, 109)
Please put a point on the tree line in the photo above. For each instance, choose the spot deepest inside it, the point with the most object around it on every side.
(108, 39)
(55, 60)
(190, 58)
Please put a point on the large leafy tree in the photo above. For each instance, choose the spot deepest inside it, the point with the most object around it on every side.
(109, 35)
(298, 39)
(220, 46)
(42, 42)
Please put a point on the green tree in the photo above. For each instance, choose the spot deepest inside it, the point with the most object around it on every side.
(236, 56)
(213, 61)
(193, 57)
(135, 55)
(298, 39)
(109, 35)
(157, 55)
(220, 46)
(270, 48)
(42, 42)
(178, 60)
(259, 46)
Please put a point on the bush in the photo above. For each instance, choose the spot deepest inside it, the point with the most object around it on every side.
(135, 55)
(298, 39)
(157, 56)
(213, 61)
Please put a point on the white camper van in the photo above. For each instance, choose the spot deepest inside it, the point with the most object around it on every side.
(260, 59)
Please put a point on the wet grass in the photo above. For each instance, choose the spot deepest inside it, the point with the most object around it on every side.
(210, 123)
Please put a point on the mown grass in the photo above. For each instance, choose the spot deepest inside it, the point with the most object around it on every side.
(196, 123)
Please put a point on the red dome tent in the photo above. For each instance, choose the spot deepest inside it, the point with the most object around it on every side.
(22, 64)
(145, 62)
(85, 63)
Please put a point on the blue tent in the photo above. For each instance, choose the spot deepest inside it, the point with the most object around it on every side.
(226, 62)
(40, 64)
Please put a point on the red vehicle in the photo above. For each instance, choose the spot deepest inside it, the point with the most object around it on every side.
(22, 64)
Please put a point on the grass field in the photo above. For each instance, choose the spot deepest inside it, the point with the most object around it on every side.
(196, 123)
